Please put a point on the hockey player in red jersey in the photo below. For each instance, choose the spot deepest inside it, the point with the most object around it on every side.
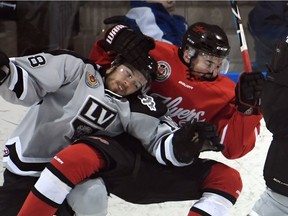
(189, 82)
(215, 185)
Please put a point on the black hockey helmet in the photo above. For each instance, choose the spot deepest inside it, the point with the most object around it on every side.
(210, 39)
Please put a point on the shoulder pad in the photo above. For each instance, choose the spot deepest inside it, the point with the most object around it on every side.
(147, 104)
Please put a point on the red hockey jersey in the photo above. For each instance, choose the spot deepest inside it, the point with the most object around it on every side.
(211, 101)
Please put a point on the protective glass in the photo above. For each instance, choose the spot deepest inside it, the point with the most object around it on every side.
(133, 76)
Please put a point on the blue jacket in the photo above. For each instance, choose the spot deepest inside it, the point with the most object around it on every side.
(152, 19)
(267, 22)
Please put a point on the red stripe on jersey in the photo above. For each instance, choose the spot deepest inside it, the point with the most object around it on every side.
(225, 181)
(39, 207)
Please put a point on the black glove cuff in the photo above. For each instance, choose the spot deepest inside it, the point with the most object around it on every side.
(248, 110)
(183, 155)
(111, 36)
(4, 73)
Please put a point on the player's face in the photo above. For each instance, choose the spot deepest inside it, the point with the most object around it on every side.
(207, 65)
(124, 81)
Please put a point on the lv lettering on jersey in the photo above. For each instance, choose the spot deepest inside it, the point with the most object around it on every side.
(178, 113)
(93, 116)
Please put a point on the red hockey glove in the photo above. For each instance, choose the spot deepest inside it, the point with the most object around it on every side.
(4, 67)
(278, 70)
(193, 138)
(127, 42)
(248, 91)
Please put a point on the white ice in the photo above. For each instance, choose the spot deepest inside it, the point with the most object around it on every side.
(250, 167)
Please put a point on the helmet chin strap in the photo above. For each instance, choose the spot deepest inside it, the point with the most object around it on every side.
(204, 76)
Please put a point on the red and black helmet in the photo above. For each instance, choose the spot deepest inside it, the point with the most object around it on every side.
(210, 39)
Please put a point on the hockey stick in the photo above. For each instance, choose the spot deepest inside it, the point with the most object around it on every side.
(241, 36)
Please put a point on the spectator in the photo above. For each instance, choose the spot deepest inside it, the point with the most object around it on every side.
(267, 22)
(154, 18)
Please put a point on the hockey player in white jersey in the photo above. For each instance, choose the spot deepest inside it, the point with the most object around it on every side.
(71, 97)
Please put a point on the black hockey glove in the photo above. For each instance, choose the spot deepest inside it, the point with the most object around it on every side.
(193, 138)
(4, 67)
(248, 91)
(278, 70)
(127, 42)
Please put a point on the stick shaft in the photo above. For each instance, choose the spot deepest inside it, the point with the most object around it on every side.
(241, 36)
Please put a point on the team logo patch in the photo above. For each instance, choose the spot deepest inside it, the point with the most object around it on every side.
(164, 71)
(91, 80)
(148, 101)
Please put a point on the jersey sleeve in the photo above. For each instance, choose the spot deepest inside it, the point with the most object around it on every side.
(238, 132)
(150, 124)
(32, 77)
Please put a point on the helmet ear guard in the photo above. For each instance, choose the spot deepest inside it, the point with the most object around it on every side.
(192, 52)
(225, 66)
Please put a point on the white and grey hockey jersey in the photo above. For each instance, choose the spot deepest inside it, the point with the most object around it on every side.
(68, 99)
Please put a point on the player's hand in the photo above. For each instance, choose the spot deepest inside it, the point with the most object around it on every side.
(127, 42)
(4, 67)
(248, 92)
(193, 138)
(278, 70)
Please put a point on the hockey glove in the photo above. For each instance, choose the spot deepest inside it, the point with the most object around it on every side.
(127, 42)
(4, 67)
(193, 138)
(248, 91)
(278, 70)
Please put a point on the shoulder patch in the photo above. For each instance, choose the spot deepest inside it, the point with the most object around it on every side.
(148, 101)
(164, 71)
(148, 105)
(91, 80)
